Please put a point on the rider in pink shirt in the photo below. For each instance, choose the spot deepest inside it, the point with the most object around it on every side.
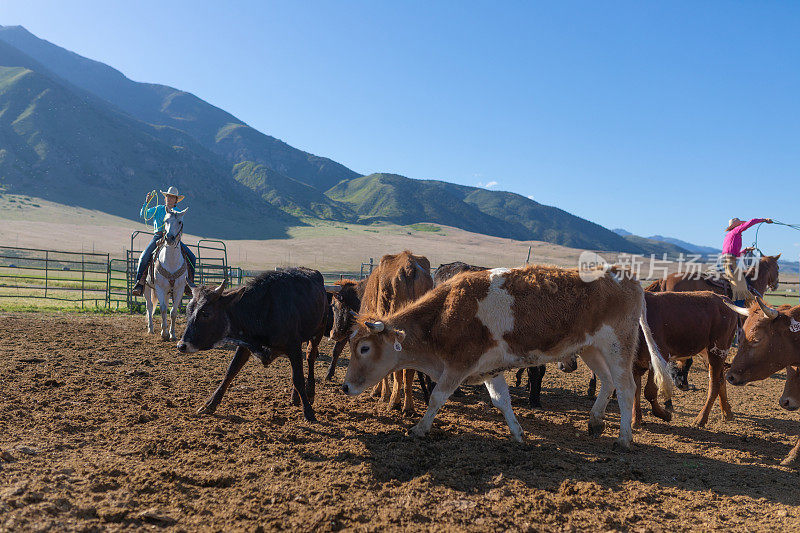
(732, 245)
(731, 250)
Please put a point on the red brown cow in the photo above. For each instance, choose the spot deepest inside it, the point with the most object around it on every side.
(479, 324)
(790, 400)
(683, 325)
(771, 343)
(397, 281)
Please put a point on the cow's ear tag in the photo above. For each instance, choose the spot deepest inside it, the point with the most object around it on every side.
(794, 325)
(397, 346)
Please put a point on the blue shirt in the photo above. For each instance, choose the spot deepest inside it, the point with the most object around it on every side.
(157, 213)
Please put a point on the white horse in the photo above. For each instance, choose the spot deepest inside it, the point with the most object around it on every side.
(169, 271)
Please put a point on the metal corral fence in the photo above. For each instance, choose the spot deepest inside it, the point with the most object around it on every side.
(37, 274)
(28, 275)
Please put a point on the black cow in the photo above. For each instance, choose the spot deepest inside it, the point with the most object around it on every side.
(448, 270)
(270, 316)
(345, 303)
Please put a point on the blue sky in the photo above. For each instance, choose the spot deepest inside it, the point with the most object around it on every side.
(665, 117)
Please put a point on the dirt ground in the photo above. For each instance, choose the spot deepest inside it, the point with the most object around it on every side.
(98, 432)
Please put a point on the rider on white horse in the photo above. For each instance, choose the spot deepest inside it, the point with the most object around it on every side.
(157, 214)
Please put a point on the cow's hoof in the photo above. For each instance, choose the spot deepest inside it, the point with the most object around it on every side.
(310, 416)
(416, 431)
(165, 336)
(408, 413)
(636, 424)
(173, 337)
(699, 422)
(663, 414)
(791, 460)
(668, 406)
(596, 429)
(207, 409)
(622, 445)
(150, 331)
(727, 417)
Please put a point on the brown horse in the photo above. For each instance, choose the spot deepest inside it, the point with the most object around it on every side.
(761, 278)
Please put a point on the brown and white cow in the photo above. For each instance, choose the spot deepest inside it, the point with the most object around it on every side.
(480, 324)
(771, 343)
(683, 325)
(397, 281)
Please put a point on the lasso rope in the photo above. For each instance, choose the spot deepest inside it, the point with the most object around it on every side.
(758, 227)
(148, 202)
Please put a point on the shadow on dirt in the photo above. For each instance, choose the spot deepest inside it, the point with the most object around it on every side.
(470, 463)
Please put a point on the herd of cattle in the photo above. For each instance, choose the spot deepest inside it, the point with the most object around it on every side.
(468, 324)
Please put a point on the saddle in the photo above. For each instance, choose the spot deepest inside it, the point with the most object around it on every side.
(715, 276)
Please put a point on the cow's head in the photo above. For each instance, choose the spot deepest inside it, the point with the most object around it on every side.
(207, 322)
(343, 318)
(769, 344)
(374, 352)
(569, 364)
(790, 399)
(679, 372)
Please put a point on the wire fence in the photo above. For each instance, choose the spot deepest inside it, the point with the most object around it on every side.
(30, 276)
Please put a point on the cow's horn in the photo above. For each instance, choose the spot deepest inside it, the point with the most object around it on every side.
(222, 285)
(741, 310)
(770, 312)
(377, 327)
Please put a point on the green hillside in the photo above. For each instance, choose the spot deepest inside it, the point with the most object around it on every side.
(61, 147)
(393, 198)
(290, 195)
(212, 127)
(651, 246)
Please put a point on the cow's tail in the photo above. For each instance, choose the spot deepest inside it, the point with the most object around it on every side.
(654, 287)
(660, 370)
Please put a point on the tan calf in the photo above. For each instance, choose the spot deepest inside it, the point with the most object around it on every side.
(479, 324)
(397, 281)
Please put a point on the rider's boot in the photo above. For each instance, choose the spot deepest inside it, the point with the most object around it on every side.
(187, 289)
(138, 290)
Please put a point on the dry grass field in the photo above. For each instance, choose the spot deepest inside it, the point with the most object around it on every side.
(326, 246)
(98, 433)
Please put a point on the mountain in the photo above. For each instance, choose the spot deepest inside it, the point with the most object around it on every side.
(666, 244)
(393, 198)
(77, 131)
(213, 128)
(59, 145)
(693, 248)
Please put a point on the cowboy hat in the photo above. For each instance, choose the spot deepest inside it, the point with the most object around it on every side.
(734, 222)
(173, 191)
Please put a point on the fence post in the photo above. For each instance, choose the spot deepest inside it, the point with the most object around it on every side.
(46, 270)
(108, 281)
(83, 276)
